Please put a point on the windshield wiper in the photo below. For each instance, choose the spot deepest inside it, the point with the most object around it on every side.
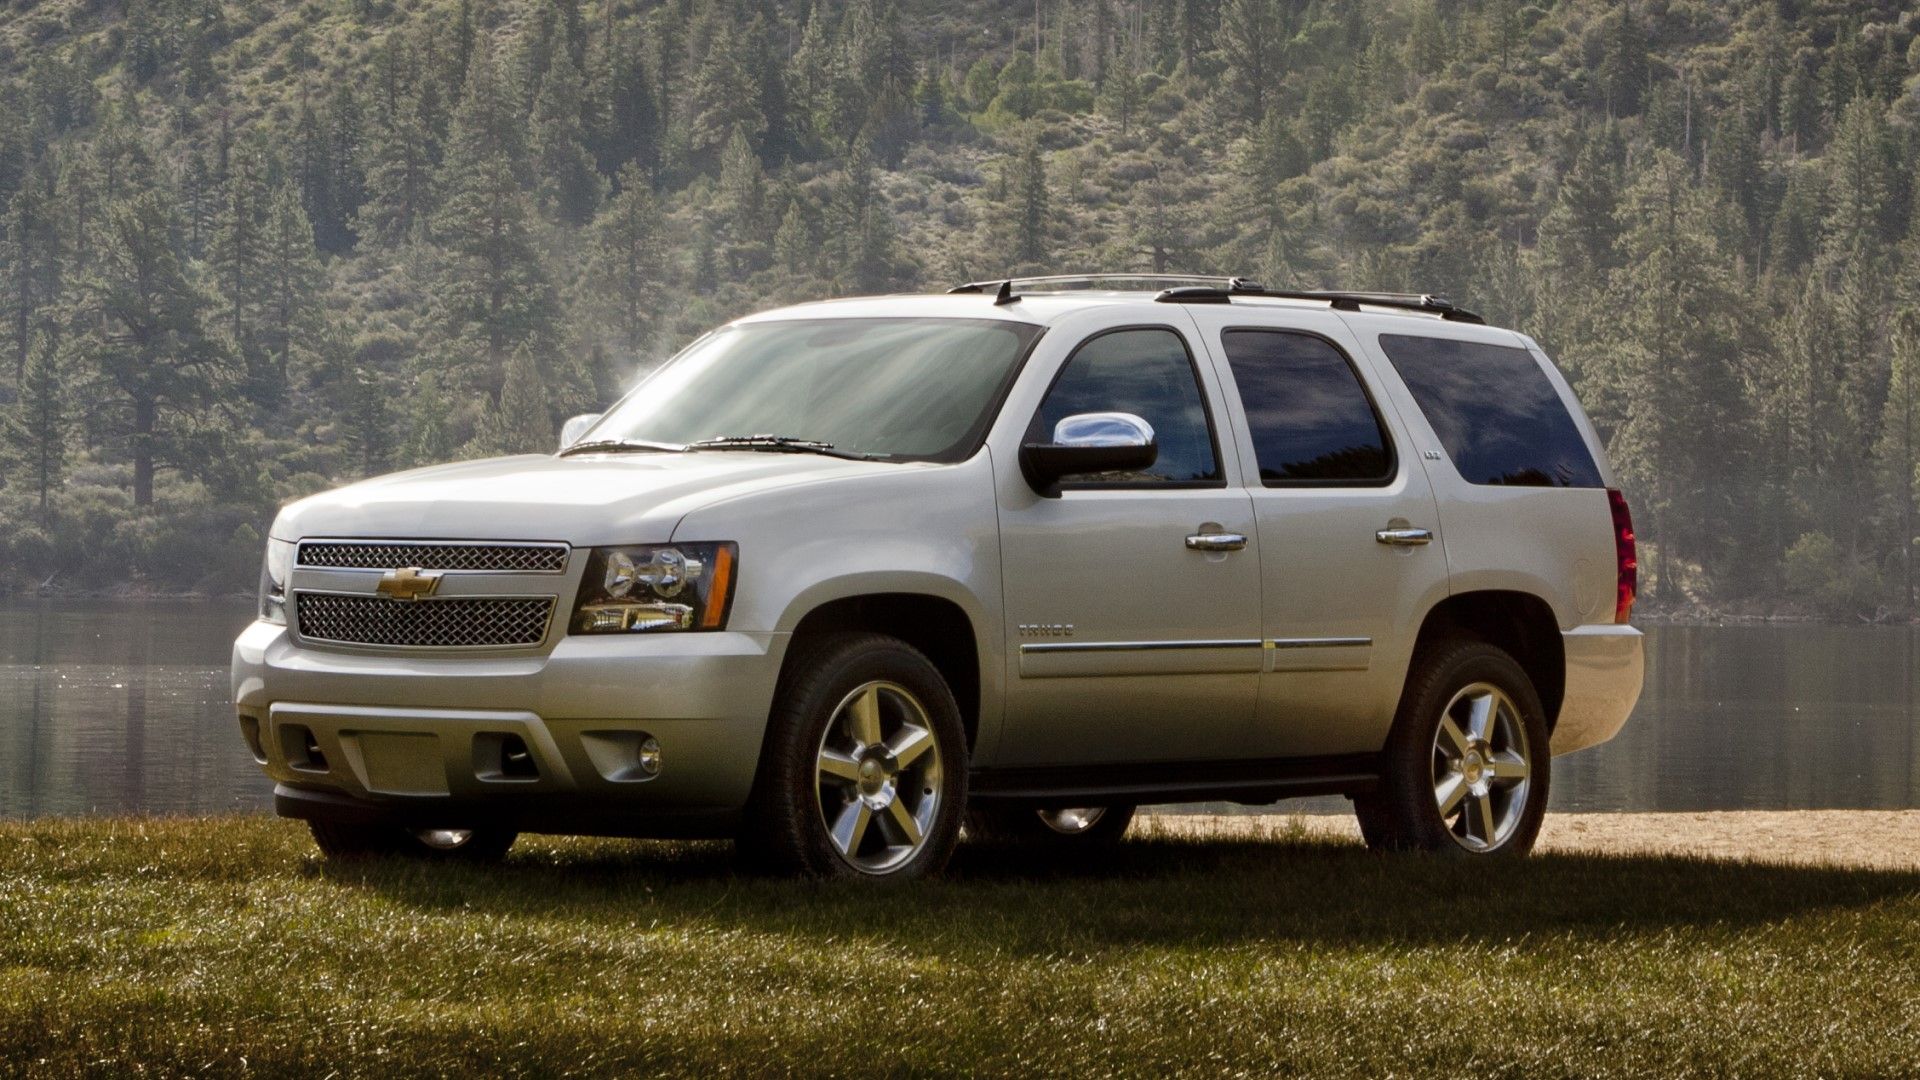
(619, 446)
(778, 444)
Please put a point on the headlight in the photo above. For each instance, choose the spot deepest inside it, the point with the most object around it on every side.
(656, 587)
(273, 580)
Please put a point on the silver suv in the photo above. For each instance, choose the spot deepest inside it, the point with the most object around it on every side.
(842, 579)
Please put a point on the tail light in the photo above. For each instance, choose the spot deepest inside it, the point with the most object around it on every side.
(1626, 555)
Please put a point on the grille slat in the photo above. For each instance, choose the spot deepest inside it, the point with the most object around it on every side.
(501, 558)
(452, 622)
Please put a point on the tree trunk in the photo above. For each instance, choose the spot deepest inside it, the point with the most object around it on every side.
(143, 420)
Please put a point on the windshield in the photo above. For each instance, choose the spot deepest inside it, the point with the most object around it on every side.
(913, 389)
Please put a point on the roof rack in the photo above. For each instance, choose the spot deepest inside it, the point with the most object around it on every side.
(1205, 289)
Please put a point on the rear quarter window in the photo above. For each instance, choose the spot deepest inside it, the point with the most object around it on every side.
(1495, 411)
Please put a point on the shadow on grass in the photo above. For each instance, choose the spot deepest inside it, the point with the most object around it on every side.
(1157, 891)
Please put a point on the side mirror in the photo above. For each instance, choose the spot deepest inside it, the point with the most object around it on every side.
(577, 426)
(1089, 443)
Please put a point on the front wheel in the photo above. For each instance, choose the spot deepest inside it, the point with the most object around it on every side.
(864, 773)
(337, 841)
(1466, 768)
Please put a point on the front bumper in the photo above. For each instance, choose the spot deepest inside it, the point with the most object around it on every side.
(1606, 666)
(419, 740)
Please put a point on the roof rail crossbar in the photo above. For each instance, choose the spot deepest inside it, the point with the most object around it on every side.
(1339, 300)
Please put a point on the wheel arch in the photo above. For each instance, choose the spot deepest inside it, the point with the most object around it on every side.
(1521, 623)
(935, 623)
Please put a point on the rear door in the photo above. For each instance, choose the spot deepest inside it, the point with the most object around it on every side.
(1128, 642)
(1350, 546)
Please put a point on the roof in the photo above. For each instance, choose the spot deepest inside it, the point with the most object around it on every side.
(1046, 300)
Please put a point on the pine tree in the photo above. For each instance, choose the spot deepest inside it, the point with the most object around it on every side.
(1623, 63)
(430, 440)
(861, 228)
(1251, 38)
(236, 254)
(1899, 445)
(743, 188)
(400, 176)
(723, 97)
(496, 291)
(633, 114)
(367, 419)
(1031, 218)
(1859, 218)
(347, 165)
(1683, 435)
(291, 279)
(570, 187)
(624, 267)
(32, 252)
(35, 429)
(146, 333)
(313, 169)
(521, 423)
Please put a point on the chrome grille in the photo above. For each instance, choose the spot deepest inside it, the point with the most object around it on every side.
(449, 623)
(388, 555)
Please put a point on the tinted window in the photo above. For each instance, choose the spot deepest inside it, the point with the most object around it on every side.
(1311, 420)
(1495, 412)
(1147, 373)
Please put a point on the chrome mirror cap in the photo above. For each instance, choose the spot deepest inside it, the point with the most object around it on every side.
(577, 426)
(1102, 429)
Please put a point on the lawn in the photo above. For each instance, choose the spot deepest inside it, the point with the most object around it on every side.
(224, 945)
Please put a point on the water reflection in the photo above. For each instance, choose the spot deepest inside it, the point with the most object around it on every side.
(115, 708)
(111, 708)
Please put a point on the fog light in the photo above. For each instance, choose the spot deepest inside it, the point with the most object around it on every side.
(650, 756)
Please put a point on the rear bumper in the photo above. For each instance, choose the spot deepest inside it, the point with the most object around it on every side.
(422, 740)
(1606, 666)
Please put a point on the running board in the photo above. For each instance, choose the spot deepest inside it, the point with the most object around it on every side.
(1149, 783)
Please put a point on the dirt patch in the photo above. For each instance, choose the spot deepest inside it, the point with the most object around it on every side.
(1884, 839)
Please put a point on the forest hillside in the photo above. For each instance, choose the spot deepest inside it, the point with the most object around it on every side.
(251, 249)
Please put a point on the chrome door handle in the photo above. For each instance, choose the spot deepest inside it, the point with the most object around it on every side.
(1216, 541)
(1403, 537)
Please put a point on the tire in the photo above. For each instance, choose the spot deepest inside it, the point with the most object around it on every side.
(1066, 829)
(344, 842)
(1491, 774)
(831, 800)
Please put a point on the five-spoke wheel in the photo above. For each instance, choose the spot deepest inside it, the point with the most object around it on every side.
(1480, 767)
(879, 773)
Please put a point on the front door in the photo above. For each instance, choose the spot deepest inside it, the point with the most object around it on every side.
(1132, 600)
(1350, 546)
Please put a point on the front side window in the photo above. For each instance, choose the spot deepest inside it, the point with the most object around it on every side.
(912, 389)
(1495, 411)
(1148, 373)
(1311, 420)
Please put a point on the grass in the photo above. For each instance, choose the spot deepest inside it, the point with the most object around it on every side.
(224, 945)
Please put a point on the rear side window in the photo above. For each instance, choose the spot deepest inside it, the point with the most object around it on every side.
(1495, 412)
(1312, 421)
(1146, 372)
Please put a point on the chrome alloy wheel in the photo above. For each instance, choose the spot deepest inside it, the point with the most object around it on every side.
(878, 777)
(443, 839)
(1070, 820)
(1481, 767)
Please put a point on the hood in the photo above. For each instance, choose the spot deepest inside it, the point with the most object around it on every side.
(584, 500)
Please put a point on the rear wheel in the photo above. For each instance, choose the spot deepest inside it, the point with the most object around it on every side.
(1080, 827)
(1466, 769)
(339, 840)
(864, 770)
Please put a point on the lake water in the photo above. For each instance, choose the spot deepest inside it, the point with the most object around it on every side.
(116, 708)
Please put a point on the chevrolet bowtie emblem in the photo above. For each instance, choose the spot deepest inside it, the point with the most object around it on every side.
(412, 583)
